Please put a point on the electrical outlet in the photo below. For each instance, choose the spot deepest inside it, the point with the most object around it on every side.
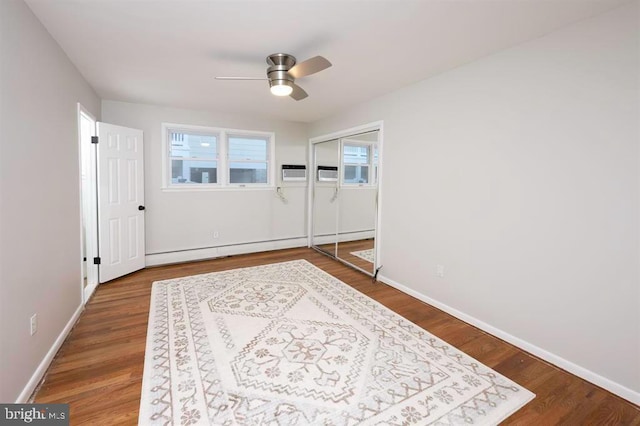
(34, 324)
(216, 234)
(440, 271)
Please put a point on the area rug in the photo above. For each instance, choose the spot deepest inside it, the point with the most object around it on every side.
(288, 344)
(364, 254)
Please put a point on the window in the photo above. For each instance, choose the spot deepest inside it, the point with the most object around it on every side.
(356, 164)
(248, 159)
(375, 164)
(202, 157)
(194, 157)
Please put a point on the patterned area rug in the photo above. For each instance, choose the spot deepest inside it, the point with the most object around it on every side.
(364, 254)
(288, 344)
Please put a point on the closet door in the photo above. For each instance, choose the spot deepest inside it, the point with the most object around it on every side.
(357, 211)
(326, 196)
(344, 202)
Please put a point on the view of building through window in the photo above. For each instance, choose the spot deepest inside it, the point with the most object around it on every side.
(248, 159)
(356, 163)
(194, 158)
(201, 157)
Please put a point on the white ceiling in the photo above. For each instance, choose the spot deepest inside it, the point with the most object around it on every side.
(167, 52)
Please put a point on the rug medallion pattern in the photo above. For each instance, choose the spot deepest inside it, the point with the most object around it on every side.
(288, 344)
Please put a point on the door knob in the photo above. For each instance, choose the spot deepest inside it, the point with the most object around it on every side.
(140, 207)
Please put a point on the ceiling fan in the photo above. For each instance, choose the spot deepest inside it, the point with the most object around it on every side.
(283, 71)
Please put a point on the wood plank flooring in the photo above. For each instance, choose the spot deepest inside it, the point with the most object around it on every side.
(98, 370)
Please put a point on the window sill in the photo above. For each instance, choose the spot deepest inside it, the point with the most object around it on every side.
(220, 188)
(358, 186)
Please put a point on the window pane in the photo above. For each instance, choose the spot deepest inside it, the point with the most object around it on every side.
(190, 171)
(247, 149)
(349, 173)
(354, 154)
(193, 145)
(356, 174)
(248, 172)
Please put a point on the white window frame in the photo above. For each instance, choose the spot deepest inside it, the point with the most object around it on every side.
(169, 157)
(223, 178)
(370, 164)
(269, 161)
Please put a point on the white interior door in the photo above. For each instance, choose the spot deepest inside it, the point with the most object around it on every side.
(120, 201)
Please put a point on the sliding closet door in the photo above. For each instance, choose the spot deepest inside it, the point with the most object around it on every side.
(344, 207)
(326, 194)
(357, 212)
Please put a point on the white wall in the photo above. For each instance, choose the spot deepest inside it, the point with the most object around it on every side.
(40, 263)
(187, 220)
(520, 174)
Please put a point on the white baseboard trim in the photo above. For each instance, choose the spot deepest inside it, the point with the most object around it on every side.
(230, 250)
(342, 238)
(588, 375)
(88, 291)
(46, 361)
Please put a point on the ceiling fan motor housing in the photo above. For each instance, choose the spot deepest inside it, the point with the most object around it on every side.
(279, 65)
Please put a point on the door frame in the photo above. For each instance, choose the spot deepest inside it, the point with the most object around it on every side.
(88, 208)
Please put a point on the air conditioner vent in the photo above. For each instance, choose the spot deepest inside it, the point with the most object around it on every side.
(294, 173)
(327, 174)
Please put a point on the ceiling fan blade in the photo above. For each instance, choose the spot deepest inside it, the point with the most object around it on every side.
(298, 92)
(240, 78)
(310, 66)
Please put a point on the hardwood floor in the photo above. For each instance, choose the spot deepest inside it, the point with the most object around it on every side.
(98, 370)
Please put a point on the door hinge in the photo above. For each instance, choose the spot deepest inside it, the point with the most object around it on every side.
(94, 139)
(96, 260)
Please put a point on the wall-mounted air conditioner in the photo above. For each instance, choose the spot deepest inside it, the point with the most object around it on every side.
(294, 173)
(327, 174)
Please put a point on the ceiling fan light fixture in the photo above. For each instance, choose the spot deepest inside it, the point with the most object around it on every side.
(281, 87)
(283, 71)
